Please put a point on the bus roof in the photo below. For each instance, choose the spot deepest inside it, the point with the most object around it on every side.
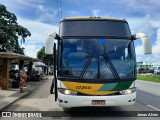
(91, 18)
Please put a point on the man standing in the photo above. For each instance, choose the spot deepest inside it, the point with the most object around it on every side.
(52, 87)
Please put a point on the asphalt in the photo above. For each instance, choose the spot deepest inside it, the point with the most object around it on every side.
(7, 97)
(148, 93)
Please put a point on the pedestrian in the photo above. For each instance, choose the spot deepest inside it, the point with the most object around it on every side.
(52, 87)
(25, 76)
(22, 80)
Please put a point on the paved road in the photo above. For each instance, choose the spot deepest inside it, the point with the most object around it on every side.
(41, 100)
(149, 93)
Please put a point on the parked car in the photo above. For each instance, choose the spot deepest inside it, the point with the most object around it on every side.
(38, 73)
(38, 70)
(157, 70)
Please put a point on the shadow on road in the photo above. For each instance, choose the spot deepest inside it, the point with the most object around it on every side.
(96, 112)
(92, 112)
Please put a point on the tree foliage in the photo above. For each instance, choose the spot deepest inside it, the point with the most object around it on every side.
(47, 59)
(11, 31)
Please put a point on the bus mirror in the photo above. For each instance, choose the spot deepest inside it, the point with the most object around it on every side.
(50, 42)
(145, 41)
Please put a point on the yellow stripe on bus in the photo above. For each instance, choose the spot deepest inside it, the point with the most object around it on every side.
(86, 88)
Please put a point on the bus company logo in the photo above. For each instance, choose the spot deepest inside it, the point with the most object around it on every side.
(83, 87)
(21, 114)
(6, 114)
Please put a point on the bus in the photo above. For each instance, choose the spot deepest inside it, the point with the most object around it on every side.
(94, 62)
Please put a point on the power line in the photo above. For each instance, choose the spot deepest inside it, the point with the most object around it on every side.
(58, 9)
(61, 7)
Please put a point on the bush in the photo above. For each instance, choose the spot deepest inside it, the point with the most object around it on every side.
(152, 78)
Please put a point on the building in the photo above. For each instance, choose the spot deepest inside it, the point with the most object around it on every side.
(6, 59)
(147, 65)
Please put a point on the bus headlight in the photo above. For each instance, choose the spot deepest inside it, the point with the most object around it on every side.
(128, 91)
(66, 91)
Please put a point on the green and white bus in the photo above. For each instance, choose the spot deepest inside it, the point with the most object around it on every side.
(96, 63)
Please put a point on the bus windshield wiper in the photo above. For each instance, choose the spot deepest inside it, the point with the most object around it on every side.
(86, 66)
(113, 69)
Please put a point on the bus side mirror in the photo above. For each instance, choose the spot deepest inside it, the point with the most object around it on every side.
(145, 41)
(50, 43)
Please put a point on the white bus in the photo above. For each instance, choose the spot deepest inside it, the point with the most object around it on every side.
(96, 62)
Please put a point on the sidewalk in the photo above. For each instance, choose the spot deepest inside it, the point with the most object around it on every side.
(11, 95)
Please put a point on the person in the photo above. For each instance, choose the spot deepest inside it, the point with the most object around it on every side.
(52, 87)
(25, 76)
(22, 80)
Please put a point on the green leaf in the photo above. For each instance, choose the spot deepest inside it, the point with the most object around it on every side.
(10, 31)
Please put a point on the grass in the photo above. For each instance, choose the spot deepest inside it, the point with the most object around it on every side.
(152, 78)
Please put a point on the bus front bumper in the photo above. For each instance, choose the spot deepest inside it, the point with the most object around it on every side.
(68, 101)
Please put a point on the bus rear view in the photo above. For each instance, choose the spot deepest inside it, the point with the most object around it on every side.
(96, 62)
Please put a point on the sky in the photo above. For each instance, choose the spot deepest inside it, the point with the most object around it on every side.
(42, 17)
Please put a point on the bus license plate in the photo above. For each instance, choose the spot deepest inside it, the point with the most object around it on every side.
(98, 102)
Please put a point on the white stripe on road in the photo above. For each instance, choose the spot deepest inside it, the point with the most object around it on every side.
(153, 107)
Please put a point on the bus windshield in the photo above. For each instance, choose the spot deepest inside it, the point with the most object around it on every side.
(97, 59)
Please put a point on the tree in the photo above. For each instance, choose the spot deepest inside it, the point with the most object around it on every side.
(11, 31)
(47, 59)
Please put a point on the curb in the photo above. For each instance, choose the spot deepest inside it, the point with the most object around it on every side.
(28, 92)
(6, 106)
